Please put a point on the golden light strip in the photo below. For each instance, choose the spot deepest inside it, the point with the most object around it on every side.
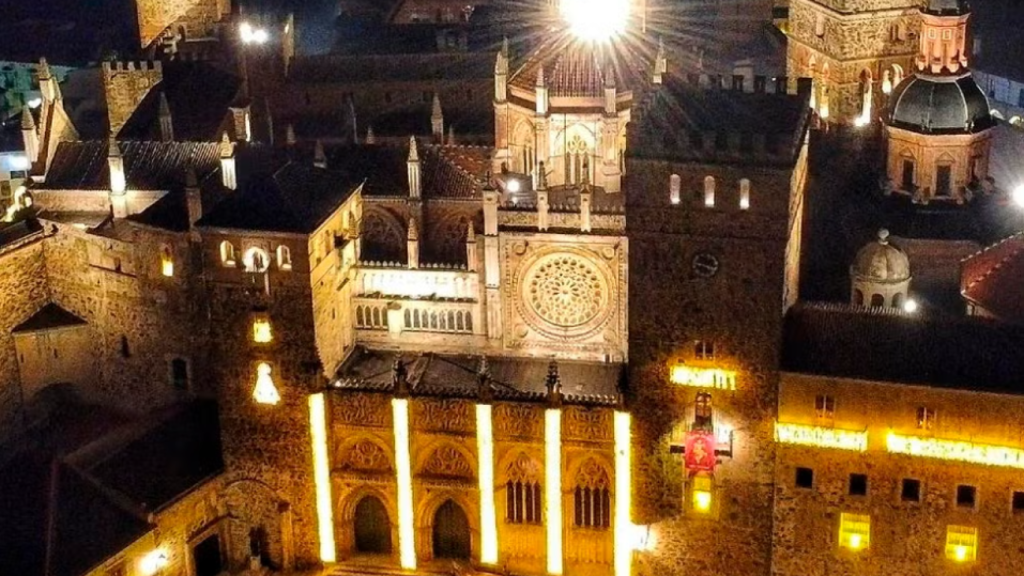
(624, 530)
(403, 466)
(703, 377)
(821, 437)
(986, 454)
(321, 476)
(553, 487)
(485, 453)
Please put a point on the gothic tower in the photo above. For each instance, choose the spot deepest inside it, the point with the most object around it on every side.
(856, 51)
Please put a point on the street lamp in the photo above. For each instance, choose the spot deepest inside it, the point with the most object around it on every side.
(251, 35)
(1018, 195)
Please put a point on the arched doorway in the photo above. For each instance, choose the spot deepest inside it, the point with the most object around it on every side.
(372, 528)
(451, 532)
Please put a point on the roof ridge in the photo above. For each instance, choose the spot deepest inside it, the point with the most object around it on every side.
(995, 267)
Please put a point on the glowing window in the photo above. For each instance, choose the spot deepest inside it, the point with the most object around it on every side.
(284, 258)
(256, 260)
(674, 184)
(961, 543)
(854, 531)
(709, 191)
(701, 493)
(227, 254)
(265, 392)
(744, 194)
(261, 330)
(166, 262)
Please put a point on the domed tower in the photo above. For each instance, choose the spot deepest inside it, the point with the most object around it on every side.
(880, 274)
(938, 122)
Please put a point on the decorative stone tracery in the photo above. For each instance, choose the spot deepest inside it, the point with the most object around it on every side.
(365, 456)
(447, 462)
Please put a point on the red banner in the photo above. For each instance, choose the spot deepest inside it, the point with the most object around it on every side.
(700, 451)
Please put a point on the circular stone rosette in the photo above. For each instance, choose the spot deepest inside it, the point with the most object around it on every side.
(564, 295)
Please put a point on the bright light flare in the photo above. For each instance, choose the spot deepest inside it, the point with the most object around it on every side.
(265, 392)
(322, 476)
(403, 473)
(488, 517)
(596, 19)
(625, 531)
(513, 186)
(252, 35)
(1018, 195)
(910, 306)
(153, 562)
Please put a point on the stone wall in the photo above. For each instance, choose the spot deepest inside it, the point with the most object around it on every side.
(23, 291)
(906, 536)
(195, 17)
(127, 83)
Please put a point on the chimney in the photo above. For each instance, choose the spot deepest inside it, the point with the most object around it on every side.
(118, 185)
(471, 255)
(413, 245)
(437, 120)
(166, 122)
(413, 165)
(29, 136)
(227, 163)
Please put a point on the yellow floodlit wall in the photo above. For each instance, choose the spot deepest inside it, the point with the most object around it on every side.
(962, 543)
(854, 531)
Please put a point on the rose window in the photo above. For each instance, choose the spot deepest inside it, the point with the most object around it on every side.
(565, 291)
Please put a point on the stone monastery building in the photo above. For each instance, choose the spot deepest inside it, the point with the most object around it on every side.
(578, 350)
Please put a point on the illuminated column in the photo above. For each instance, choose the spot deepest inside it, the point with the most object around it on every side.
(553, 486)
(406, 543)
(623, 495)
(321, 476)
(485, 454)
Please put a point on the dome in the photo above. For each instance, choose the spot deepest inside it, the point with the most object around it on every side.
(940, 105)
(882, 262)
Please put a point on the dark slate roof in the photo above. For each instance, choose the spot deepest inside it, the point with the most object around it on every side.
(449, 66)
(577, 68)
(940, 104)
(198, 96)
(64, 518)
(947, 7)
(672, 120)
(148, 165)
(49, 317)
(455, 171)
(169, 460)
(516, 379)
(14, 231)
(890, 346)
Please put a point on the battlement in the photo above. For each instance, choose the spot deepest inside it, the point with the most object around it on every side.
(133, 66)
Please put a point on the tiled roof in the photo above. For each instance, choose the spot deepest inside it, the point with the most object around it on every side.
(575, 68)
(11, 233)
(456, 171)
(148, 165)
(890, 346)
(393, 68)
(198, 96)
(994, 279)
(48, 317)
(518, 379)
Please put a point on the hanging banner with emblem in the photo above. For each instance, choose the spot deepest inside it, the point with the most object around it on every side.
(700, 451)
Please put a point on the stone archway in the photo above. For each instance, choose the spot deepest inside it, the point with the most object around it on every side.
(372, 526)
(451, 538)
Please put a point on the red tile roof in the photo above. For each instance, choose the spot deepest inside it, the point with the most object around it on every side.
(993, 279)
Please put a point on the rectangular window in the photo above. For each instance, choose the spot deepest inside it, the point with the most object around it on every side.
(804, 477)
(702, 493)
(911, 490)
(825, 406)
(908, 175)
(943, 180)
(947, 34)
(523, 502)
(961, 543)
(1017, 501)
(925, 418)
(704, 350)
(854, 531)
(858, 485)
(966, 496)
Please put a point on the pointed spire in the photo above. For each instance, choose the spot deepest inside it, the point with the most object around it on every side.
(27, 121)
(451, 135)
(585, 177)
(470, 233)
(165, 120)
(542, 176)
(191, 179)
(553, 383)
(164, 106)
(504, 47)
(483, 379)
(435, 107)
(289, 135)
(399, 378)
(414, 231)
(113, 150)
(44, 70)
(371, 138)
(414, 155)
(609, 76)
(319, 156)
(540, 76)
(660, 66)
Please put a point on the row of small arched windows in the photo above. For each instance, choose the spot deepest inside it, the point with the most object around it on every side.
(255, 259)
(675, 191)
(372, 317)
(450, 321)
(878, 300)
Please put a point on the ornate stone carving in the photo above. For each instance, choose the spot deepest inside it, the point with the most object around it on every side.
(383, 235)
(592, 475)
(447, 462)
(363, 410)
(444, 416)
(587, 424)
(517, 420)
(523, 469)
(564, 294)
(365, 456)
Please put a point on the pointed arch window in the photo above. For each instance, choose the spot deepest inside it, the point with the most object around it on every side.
(284, 258)
(709, 191)
(744, 194)
(227, 254)
(592, 497)
(674, 184)
(523, 503)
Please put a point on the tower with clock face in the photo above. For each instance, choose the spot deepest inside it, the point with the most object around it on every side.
(713, 211)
